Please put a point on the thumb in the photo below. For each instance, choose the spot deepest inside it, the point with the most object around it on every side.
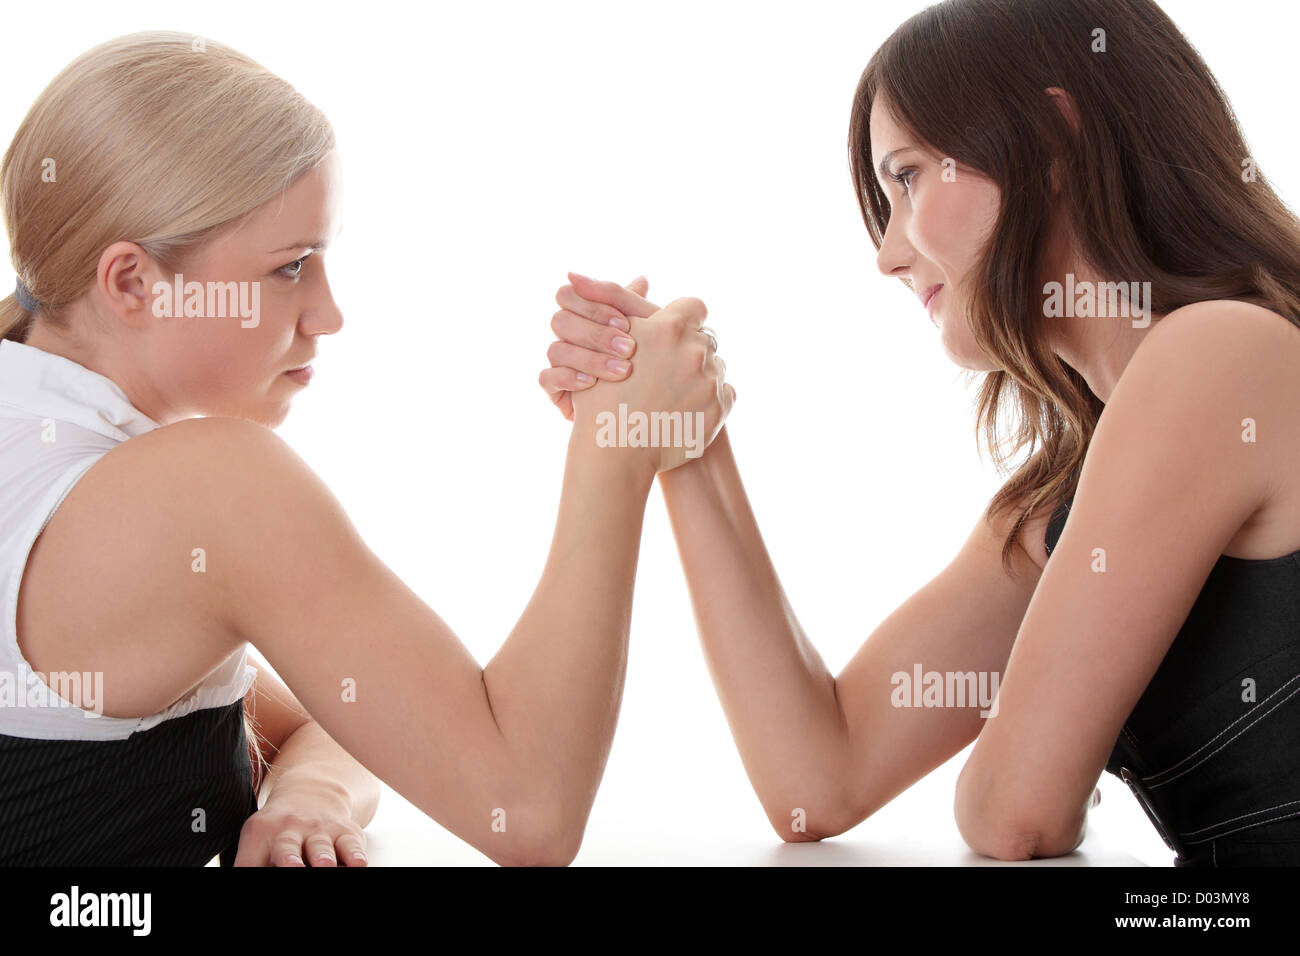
(640, 285)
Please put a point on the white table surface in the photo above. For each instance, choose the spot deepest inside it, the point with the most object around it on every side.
(663, 827)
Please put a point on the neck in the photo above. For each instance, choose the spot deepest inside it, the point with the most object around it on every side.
(1098, 346)
(139, 393)
(1099, 349)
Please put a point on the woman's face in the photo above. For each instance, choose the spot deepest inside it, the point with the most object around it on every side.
(941, 217)
(237, 365)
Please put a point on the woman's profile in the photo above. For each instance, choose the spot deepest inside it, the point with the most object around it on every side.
(1065, 188)
(168, 204)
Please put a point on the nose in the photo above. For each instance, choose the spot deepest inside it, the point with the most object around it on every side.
(324, 317)
(894, 259)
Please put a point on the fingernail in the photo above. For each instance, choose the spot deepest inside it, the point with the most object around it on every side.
(325, 858)
(620, 323)
(622, 346)
(580, 275)
(616, 366)
(359, 857)
(584, 377)
(295, 859)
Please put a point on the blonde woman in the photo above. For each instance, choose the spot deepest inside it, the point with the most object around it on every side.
(153, 526)
(1136, 582)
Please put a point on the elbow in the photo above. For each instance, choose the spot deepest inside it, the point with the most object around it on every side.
(1018, 838)
(1009, 845)
(994, 823)
(536, 853)
(540, 838)
(812, 820)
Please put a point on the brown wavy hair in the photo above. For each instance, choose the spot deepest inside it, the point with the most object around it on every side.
(1156, 185)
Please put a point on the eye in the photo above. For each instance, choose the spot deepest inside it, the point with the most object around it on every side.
(903, 176)
(292, 269)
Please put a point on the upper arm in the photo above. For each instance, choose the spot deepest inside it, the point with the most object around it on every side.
(962, 622)
(370, 661)
(1167, 482)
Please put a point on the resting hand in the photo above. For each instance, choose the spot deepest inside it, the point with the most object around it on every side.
(301, 822)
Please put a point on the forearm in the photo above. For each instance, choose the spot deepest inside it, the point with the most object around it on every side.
(778, 696)
(556, 684)
(310, 759)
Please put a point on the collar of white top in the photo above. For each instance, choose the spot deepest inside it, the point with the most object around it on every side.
(50, 386)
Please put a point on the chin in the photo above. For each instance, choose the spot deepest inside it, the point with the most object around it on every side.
(275, 418)
(966, 354)
(269, 415)
(971, 362)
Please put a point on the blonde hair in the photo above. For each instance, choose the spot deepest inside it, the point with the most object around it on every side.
(157, 138)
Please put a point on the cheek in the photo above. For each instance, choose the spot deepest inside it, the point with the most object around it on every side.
(955, 224)
(213, 355)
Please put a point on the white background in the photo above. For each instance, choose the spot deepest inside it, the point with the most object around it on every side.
(490, 147)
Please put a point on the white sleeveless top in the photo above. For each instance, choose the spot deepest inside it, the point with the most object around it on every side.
(57, 418)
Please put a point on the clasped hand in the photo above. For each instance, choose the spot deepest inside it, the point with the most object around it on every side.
(601, 327)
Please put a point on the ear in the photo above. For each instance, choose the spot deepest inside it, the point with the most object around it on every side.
(1065, 103)
(124, 283)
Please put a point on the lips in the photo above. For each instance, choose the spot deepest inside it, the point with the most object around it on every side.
(928, 294)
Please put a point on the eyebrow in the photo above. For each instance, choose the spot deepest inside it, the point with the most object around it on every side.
(312, 245)
(884, 161)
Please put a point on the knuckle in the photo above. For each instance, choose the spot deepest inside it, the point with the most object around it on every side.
(285, 849)
(606, 343)
(694, 307)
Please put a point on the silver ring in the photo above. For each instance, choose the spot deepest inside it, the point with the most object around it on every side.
(713, 339)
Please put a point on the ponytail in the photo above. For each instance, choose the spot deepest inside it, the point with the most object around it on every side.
(14, 319)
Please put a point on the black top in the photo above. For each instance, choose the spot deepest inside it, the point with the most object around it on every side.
(174, 795)
(1212, 747)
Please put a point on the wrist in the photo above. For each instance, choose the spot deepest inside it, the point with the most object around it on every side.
(701, 469)
(309, 784)
(627, 465)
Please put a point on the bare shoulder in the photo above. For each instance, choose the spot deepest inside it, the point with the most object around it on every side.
(206, 468)
(1206, 327)
(126, 558)
(217, 445)
(235, 479)
(1231, 340)
(1223, 374)
(176, 508)
(1242, 357)
(156, 490)
(190, 478)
